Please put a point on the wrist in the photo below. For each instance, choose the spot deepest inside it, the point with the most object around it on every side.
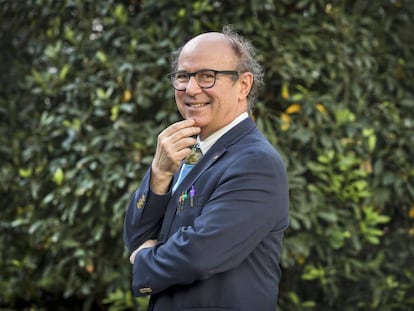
(160, 181)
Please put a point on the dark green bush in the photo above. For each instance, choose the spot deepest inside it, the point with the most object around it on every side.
(84, 97)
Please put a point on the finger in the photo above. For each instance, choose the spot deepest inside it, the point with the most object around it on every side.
(173, 128)
(185, 143)
(173, 142)
(179, 130)
(189, 132)
(175, 151)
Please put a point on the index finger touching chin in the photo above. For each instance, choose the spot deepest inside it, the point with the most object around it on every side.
(182, 124)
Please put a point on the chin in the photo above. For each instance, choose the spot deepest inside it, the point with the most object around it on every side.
(200, 121)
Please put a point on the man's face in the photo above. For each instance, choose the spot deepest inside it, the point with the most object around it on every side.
(215, 107)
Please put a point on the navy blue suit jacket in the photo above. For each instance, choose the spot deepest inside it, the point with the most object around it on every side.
(219, 250)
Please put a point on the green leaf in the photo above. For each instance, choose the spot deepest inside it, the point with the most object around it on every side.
(64, 71)
(102, 57)
(25, 172)
(58, 176)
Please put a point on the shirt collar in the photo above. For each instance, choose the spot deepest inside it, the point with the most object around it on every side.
(207, 143)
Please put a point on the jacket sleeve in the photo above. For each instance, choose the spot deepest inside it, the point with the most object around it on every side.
(144, 215)
(249, 202)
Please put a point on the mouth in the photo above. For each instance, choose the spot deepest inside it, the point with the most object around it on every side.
(196, 105)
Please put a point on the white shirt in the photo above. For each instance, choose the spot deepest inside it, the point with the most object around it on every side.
(207, 143)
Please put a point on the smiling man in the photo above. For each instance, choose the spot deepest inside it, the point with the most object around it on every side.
(205, 227)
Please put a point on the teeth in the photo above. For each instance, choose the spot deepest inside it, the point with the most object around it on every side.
(196, 105)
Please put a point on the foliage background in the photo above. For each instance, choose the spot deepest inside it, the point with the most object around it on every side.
(83, 97)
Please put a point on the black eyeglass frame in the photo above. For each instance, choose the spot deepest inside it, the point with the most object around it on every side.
(194, 74)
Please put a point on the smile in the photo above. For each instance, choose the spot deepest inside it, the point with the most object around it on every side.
(196, 105)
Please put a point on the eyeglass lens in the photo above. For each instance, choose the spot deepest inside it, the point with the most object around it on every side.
(204, 78)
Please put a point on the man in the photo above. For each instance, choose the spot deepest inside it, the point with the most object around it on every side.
(211, 241)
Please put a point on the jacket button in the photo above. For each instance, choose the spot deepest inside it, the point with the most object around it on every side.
(141, 202)
(145, 290)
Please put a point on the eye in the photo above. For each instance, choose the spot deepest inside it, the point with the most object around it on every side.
(206, 75)
(181, 76)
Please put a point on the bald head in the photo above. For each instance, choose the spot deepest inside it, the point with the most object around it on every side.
(212, 50)
(208, 37)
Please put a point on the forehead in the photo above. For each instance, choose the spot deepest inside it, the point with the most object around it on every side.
(210, 50)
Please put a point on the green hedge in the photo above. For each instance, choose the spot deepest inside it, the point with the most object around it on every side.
(84, 97)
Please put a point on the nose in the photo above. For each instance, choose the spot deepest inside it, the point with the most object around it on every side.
(192, 87)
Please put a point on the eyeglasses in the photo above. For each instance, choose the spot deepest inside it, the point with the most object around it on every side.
(205, 78)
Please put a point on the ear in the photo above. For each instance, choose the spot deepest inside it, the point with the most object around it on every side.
(245, 82)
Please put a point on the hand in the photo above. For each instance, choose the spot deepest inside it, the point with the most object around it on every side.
(172, 147)
(146, 244)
